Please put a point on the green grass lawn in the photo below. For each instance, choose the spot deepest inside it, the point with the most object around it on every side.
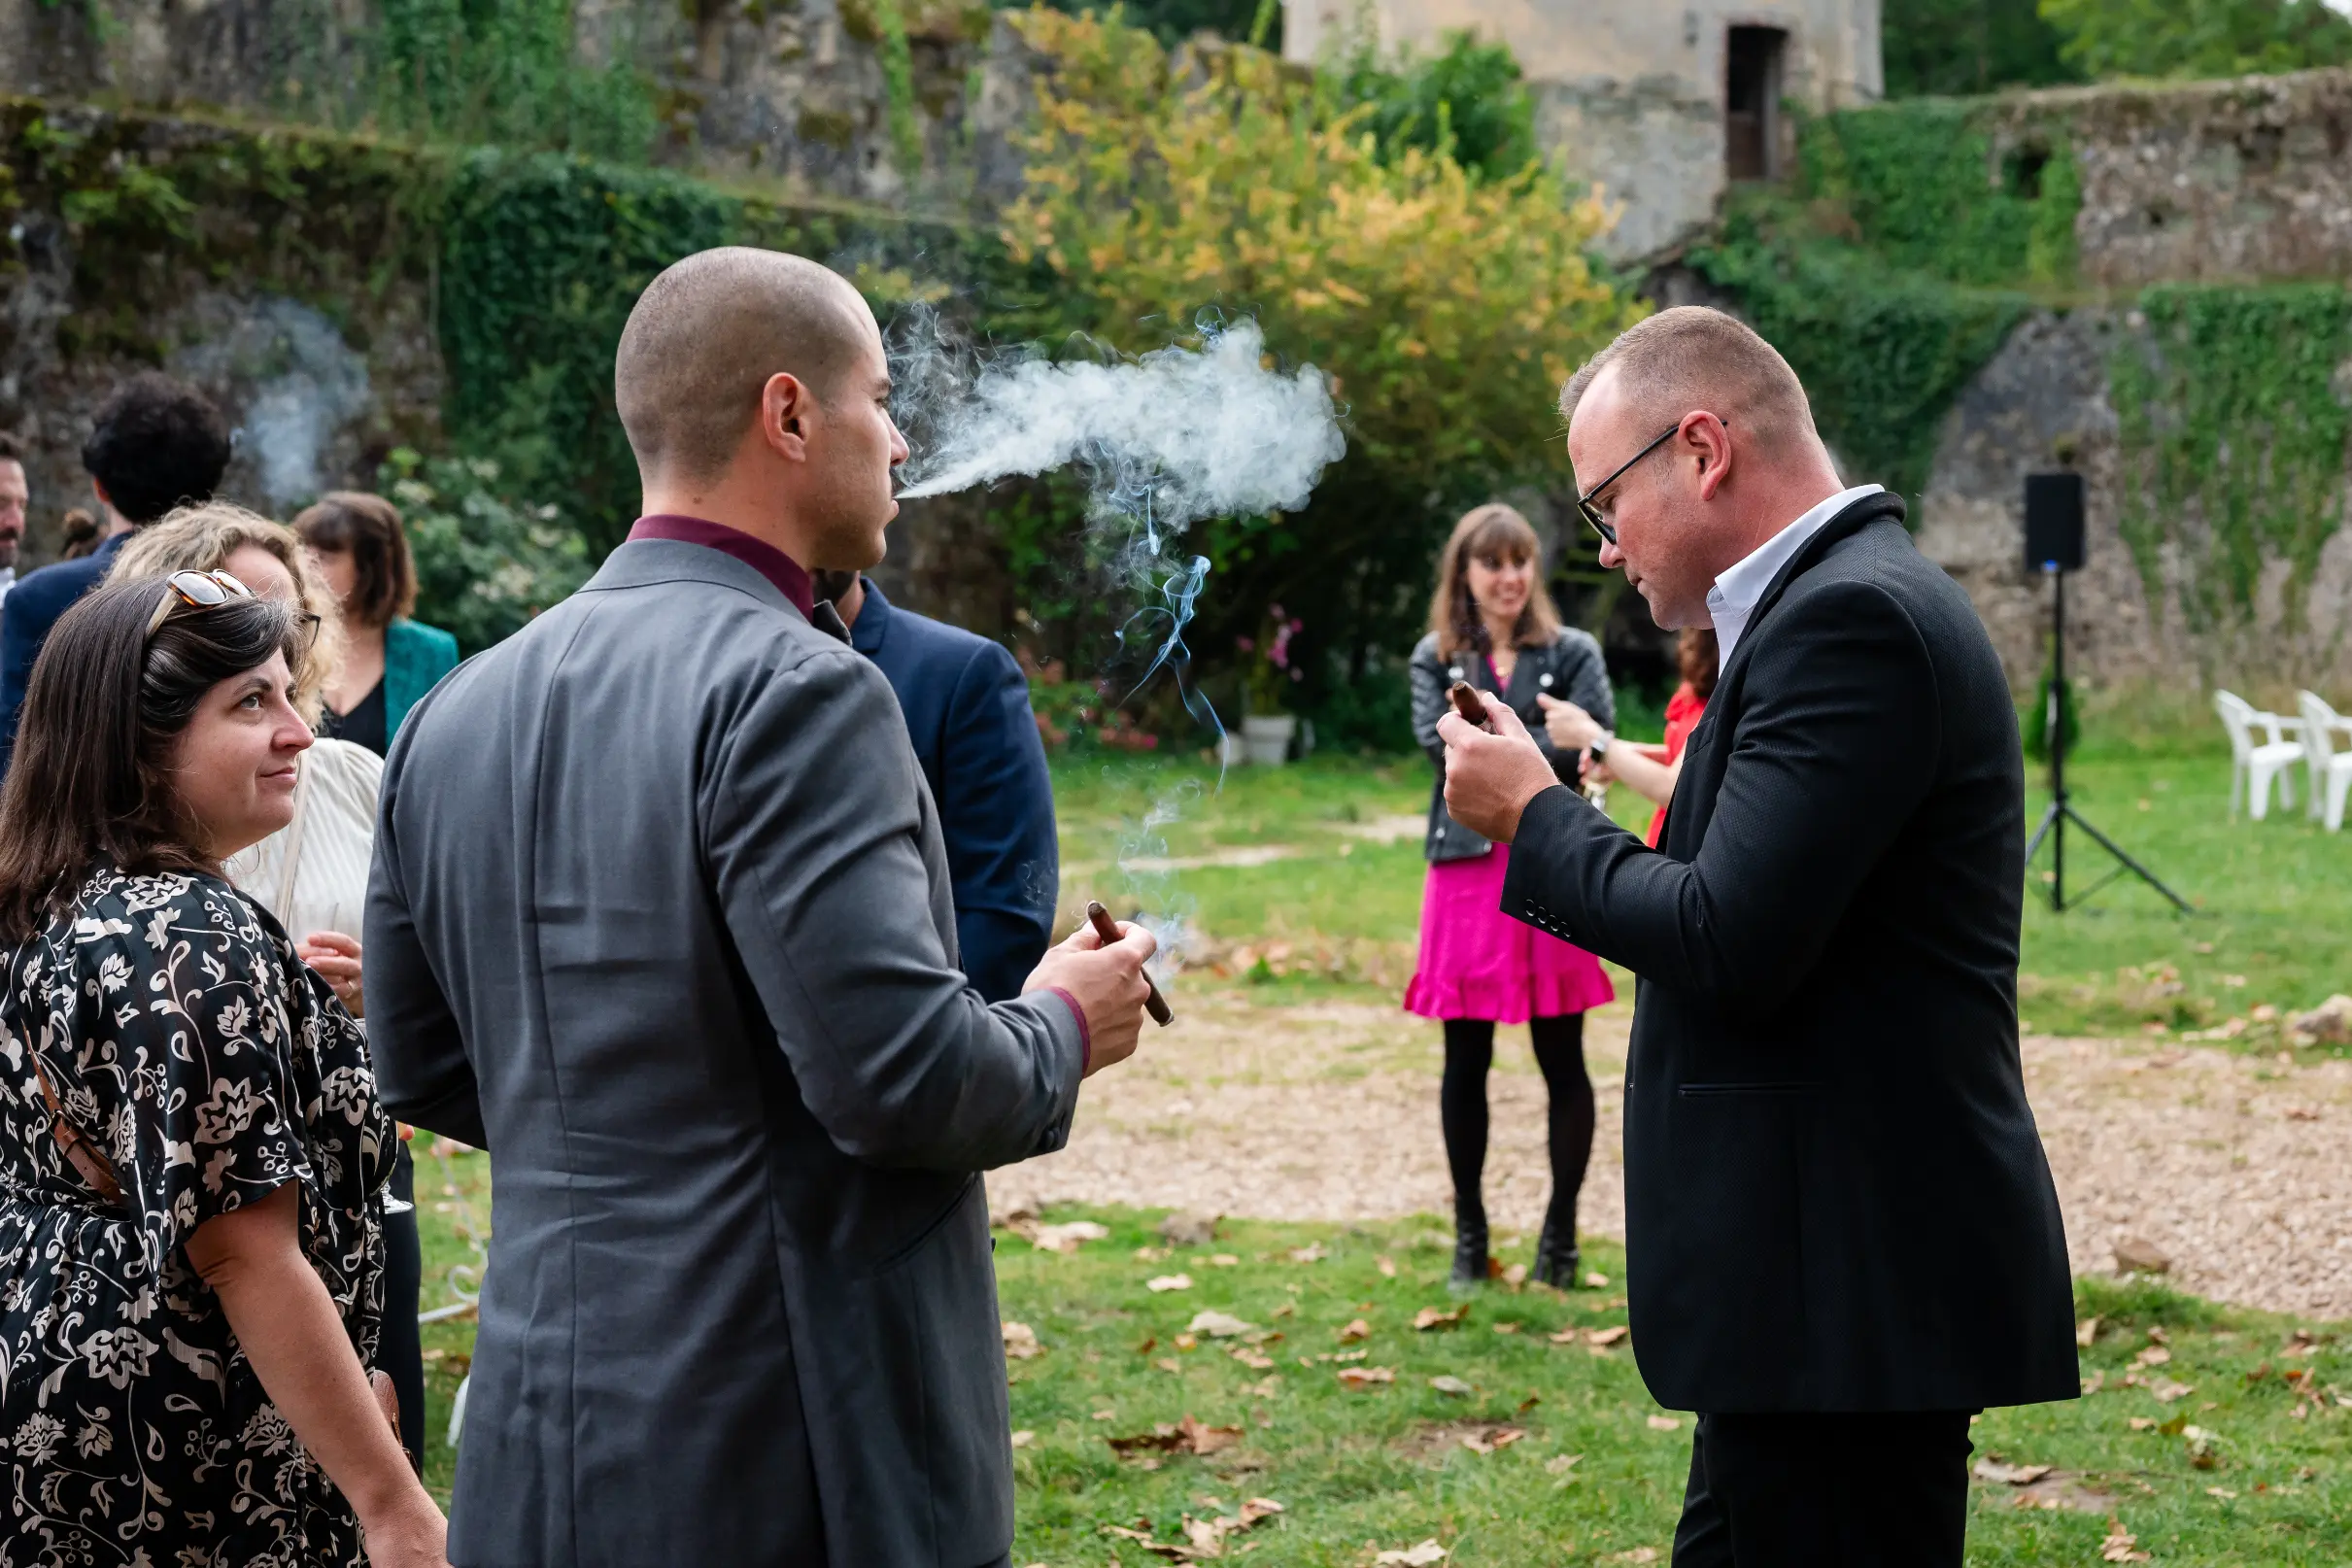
(2274, 899)
(1596, 1470)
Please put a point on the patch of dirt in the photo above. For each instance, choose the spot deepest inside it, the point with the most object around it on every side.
(2231, 1166)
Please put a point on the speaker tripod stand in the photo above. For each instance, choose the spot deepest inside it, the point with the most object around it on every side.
(2062, 810)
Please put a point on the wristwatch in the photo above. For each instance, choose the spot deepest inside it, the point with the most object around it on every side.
(1598, 750)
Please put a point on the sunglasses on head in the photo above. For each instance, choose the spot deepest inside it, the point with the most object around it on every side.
(1593, 513)
(198, 591)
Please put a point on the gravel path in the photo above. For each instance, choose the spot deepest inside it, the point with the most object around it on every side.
(2234, 1167)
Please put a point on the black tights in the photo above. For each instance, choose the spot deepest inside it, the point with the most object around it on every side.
(1559, 1050)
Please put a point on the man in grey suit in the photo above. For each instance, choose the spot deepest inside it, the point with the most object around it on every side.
(661, 916)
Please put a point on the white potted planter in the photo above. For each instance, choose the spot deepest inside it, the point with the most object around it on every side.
(1268, 737)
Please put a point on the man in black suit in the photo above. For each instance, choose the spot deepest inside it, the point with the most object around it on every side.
(1841, 1233)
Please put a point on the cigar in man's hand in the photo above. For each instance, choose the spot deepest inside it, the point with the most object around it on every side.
(1466, 703)
(1107, 930)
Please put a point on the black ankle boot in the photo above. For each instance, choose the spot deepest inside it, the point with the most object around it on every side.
(1555, 1254)
(1470, 1267)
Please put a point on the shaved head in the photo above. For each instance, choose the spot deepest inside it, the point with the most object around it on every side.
(1692, 358)
(706, 337)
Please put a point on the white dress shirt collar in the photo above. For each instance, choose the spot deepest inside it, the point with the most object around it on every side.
(1731, 602)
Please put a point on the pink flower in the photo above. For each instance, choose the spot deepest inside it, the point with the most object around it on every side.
(1245, 644)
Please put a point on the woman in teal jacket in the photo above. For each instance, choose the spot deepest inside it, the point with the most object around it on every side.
(388, 661)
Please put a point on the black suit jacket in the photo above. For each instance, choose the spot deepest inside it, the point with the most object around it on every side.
(1835, 1196)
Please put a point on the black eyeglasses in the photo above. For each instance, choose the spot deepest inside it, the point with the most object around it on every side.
(1592, 514)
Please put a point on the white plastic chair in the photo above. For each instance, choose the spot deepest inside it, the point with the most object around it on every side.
(2253, 763)
(2331, 770)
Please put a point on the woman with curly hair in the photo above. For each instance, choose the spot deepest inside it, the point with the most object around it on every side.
(193, 1161)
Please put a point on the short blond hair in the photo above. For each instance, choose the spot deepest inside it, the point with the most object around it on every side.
(1695, 358)
(202, 537)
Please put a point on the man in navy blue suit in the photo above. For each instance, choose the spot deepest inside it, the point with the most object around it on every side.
(966, 707)
(155, 444)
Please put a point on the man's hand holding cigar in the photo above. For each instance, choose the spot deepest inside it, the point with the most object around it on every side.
(1105, 983)
(1492, 774)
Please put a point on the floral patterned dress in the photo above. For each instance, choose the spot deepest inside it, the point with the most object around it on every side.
(212, 1065)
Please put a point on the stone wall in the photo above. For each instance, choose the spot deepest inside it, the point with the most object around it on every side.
(794, 92)
(1630, 93)
(317, 400)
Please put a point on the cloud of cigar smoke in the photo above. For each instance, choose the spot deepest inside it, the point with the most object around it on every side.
(1176, 437)
(1163, 441)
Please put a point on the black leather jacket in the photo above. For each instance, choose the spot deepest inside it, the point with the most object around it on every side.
(1571, 668)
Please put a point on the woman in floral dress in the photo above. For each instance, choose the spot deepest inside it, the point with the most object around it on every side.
(191, 1158)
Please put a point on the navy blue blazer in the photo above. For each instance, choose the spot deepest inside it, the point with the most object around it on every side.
(967, 707)
(30, 609)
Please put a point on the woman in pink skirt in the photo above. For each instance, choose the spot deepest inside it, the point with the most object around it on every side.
(1492, 624)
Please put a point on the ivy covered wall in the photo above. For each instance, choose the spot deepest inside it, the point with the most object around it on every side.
(2111, 279)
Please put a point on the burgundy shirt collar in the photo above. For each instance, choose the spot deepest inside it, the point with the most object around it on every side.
(759, 554)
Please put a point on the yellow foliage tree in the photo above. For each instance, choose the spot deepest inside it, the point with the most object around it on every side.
(1445, 309)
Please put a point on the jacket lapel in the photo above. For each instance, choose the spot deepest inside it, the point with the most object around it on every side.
(1697, 751)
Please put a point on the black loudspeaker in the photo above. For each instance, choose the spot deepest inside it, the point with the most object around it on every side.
(2054, 523)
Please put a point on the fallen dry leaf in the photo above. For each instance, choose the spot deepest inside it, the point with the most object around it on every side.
(2135, 1256)
(1386, 1265)
(2005, 1475)
(2141, 1423)
(2085, 1331)
(1430, 1317)
(1022, 1342)
(1190, 1230)
(2220, 1491)
(1169, 1281)
(1447, 1383)
(1251, 1360)
(1169, 1363)
(1515, 1275)
(1023, 1439)
(1224, 1260)
(2155, 1356)
(2117, 1548)
(1639, 1554)
(1187, 1342)
(1664, 1424)
(1606, 1337)
(2201, 1446)
(2301, 1114)
(1366, 1376)
(1490, 1438)
(1218, 1325)
(1063, 1237)
(1313, 1254)
(1506, 1328)
(1357, 1329)
(1560, 1464)
(1264, 1388)
(1186, 1436)
(1420, 1556)
(2166, 1391)
(1597, 1281)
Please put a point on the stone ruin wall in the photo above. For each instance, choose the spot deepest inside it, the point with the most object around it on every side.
(2229, 181)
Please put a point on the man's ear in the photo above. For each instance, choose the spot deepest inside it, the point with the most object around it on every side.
(785, 407)
(1706, 439)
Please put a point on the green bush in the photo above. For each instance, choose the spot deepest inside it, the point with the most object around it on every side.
(2198, 38)
(485, 561)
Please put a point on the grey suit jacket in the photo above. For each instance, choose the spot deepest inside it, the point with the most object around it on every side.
(661, 916)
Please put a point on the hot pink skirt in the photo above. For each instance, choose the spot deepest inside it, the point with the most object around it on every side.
(1476, 962)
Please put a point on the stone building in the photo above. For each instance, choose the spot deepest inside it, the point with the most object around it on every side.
(1663, 105)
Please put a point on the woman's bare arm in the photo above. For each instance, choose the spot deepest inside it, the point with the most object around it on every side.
(1642, 773)
(286, 1324)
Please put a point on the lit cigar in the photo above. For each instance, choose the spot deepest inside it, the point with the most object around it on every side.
(1107, 930)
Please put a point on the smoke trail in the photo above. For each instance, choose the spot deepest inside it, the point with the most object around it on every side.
(1163, 441)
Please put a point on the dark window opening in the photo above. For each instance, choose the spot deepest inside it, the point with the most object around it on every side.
(2022, 172)
(1751, 100)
